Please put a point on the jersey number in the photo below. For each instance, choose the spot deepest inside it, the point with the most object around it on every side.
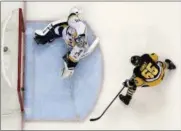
(150, 71)
(77, 54)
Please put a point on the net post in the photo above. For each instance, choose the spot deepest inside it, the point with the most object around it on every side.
(20, 80)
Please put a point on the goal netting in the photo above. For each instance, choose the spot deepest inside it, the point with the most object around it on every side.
(12, 62)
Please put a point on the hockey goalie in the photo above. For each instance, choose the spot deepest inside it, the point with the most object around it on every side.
(148, 72)
(73, 32)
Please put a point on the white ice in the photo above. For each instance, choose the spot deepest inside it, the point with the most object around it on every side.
(125, 29)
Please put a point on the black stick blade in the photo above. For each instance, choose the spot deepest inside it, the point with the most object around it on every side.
(95, 119)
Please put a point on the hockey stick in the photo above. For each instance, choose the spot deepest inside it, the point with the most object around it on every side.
(95, 119)
(91, 48)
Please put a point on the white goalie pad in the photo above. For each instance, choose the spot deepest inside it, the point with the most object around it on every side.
(39, 32)
(67, 72)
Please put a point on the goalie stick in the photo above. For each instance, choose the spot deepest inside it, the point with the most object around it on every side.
(95, 119)
(91, 48)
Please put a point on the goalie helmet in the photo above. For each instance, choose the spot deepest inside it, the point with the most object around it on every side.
(135, 60)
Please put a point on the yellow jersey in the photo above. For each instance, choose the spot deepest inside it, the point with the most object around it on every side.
(150, 72)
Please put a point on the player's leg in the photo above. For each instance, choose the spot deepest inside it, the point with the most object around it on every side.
(69, 66)
(127, 98)
(50, 32)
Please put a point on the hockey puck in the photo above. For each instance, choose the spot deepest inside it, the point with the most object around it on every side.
(5, 49)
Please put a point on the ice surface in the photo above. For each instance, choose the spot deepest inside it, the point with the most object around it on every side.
(50, 97)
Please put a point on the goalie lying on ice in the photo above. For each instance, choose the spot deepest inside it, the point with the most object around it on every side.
(148, 72)
(73, 32)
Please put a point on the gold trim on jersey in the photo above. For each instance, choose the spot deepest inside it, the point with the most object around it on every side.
(72, 59)
(64, 25)
(71, 44)
(154, 57)
(71, 40)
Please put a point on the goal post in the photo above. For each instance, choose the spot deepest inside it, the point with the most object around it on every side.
(21, 58)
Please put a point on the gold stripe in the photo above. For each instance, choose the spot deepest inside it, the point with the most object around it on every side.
(64, 25)
(154, 57)
(72, 59)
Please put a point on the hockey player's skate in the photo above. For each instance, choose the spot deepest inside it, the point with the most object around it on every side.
(125, 99)
(171, 65)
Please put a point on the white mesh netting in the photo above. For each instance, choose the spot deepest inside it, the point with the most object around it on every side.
(9, 63)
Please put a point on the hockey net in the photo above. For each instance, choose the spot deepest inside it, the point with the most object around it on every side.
(12, 62)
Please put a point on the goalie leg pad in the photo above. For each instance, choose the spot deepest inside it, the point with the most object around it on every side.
(67, 72)
(69, 63)
(49, 34)
(69, 66)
